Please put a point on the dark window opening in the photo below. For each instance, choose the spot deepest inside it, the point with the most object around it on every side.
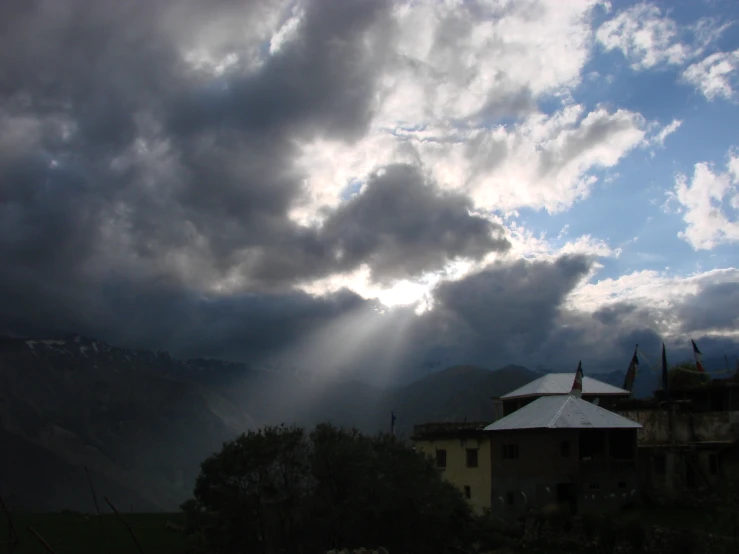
(660, 464)
(621, 444)
(467, 491)
(564, 449)
(441, 458)
(510, 451)
(472, 457)
(713, 464)
(717, 401)
(567, 496)
(622, 484)
(509, 498)
(691, 480)
(594, 486)
(592, 444)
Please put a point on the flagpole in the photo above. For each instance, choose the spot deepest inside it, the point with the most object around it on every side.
(630, 376)
(666, 394)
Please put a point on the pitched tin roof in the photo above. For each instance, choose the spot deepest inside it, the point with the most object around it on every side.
(562, 411)
(561, 383)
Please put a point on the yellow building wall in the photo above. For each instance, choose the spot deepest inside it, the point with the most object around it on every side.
(457, 472)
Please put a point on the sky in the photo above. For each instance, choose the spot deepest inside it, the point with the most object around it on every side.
(373, 188)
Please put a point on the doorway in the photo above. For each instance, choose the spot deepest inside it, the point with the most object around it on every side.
(567, 496)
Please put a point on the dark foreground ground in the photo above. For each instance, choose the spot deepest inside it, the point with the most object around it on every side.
(73, 533)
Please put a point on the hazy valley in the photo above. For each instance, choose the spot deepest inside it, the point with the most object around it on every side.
(143, 421)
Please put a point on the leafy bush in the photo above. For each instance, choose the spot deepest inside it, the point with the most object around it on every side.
(590, 525)
(685, 544)
(282, 490)
(561, 520)
(608, 535)
(685, 375)
(490, 533)
(635, 535)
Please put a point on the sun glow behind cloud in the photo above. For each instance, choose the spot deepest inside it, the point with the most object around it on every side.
(241, 160)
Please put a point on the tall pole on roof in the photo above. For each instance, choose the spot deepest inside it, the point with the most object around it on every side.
(631, 371)
(576, 390)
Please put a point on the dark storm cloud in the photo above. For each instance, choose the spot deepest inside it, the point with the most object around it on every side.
(510, 306)
(714, 307)
(402, 226)
(129, 181)
(322, 80)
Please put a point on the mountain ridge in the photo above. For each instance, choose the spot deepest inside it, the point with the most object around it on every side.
(142, 421)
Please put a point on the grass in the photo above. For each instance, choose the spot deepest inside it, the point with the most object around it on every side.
(74, 533)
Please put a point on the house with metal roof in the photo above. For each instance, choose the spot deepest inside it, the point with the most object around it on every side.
(561, 450)
(593, 390)
(461, 453)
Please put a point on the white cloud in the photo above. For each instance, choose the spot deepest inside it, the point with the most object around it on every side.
(453, 61)
(659, 138)
(706, 203)
(644, 36)
(648, 38)
(716, 76)
(543, 162)
(228, 38)
(658, 291)
(454, 76)
(527, 244)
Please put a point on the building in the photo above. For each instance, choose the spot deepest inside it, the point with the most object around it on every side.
(593, 390)
(563, 450)
(462, 452)
(693, 445)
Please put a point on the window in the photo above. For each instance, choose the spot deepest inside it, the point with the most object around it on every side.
(622, 484)
(510, 451)
(622, 443)
(592, 444)
(594, 486)
(467, 492)
(564, 449)
(713, 464)
(440, 457)
(660, 464)
(472, 457)
(509, 498)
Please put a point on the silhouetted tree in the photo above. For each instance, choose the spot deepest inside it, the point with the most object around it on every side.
(685, 375)
(280, 490)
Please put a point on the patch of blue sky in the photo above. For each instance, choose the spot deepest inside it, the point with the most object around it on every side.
(350, 190)
(627, 202)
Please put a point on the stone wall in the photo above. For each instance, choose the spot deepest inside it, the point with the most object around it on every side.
(689, 427)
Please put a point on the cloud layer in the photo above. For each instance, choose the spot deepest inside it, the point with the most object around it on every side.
(212, 178)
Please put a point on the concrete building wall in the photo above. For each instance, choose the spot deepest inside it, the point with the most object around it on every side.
(673, 471)
(530, 480)
(543, 476)
(688, 426)
(456, 470)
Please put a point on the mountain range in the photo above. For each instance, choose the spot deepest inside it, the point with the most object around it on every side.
(142, 421)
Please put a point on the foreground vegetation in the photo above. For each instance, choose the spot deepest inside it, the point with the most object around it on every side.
(282, 489)
(74, 533)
